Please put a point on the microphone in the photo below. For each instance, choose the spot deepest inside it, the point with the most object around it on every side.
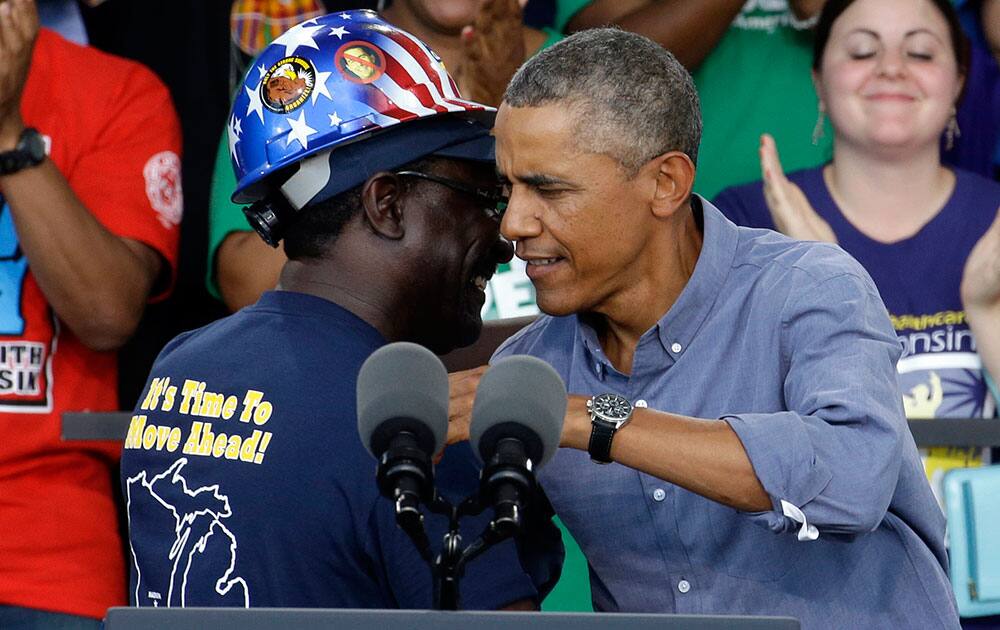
(517, 421)
(403, 421)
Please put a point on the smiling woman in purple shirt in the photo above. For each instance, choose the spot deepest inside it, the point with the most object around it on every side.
(888, 73)
(761, 463)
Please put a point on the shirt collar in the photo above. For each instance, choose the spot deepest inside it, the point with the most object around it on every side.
(679, 325)
(308, 305)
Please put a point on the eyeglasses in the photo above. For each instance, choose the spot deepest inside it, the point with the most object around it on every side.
(493, 198)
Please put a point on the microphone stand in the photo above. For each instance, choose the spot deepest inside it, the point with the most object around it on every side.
(405, 473)
(506, 481)
(448, 567)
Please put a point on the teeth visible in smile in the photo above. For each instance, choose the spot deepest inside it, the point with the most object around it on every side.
(543, 261)
(480, 282)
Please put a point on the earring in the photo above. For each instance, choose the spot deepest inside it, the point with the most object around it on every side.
(818, 129)
(952, 131)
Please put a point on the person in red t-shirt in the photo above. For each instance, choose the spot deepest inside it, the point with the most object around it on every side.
(91, 202)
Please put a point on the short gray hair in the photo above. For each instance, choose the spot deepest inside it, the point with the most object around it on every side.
(633, 100)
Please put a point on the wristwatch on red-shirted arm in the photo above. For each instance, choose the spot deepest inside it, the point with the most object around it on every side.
(30, 151)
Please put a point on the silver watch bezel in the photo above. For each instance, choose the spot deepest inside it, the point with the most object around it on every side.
(597, 415)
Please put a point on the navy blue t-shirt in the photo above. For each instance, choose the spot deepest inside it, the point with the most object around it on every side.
(918, 279)
(247, 485)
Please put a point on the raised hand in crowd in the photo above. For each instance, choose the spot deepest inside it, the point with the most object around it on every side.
(494, 48)
(793, 215)
(991, 25)
(981, 295)
(18, 30)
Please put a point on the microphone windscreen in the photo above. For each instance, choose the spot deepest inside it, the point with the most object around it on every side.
(403, 381)
(523, 390)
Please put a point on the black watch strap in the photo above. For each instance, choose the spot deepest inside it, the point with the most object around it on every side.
(30, 151)
(599, 447)
(12, 161)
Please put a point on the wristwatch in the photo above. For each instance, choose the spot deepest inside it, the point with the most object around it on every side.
(608, 413)
(30, 151)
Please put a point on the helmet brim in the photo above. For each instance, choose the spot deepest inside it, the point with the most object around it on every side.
(481, 148)
(332, 172)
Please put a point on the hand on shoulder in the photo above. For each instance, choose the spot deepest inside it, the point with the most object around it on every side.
(18, 30)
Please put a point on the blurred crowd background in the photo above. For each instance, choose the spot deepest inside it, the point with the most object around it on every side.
(753, 63)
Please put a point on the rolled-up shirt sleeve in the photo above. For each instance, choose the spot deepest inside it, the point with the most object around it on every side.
(830, 462)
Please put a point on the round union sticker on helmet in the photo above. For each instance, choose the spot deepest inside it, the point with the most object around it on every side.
(163, 187)
(287, 84)
(360, 62)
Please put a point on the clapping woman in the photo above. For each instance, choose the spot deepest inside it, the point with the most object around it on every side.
(889, 74)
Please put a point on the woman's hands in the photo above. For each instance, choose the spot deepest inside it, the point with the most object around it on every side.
(792, 213)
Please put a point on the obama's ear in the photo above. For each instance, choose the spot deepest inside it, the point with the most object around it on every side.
(674, 174)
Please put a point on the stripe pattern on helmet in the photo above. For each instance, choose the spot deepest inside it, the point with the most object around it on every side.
(406, 82)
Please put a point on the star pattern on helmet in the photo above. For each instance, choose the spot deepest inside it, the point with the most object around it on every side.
(300, 131)
(301, 35)
(320, 86)
(234, 130)
(255, 105)
(265, 134)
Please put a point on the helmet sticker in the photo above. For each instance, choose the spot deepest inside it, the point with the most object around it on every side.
(329, 82)
(360, 62)
(287, 84)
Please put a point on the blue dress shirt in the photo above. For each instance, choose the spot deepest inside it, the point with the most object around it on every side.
(789, 343)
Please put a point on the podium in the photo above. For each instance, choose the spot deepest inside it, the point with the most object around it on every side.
(327, 619)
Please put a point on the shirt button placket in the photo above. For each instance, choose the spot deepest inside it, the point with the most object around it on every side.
(683, 586)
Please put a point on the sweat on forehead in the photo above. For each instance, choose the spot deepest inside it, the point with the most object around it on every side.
(633, 100)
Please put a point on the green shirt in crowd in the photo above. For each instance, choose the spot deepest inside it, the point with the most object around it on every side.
(757, 79)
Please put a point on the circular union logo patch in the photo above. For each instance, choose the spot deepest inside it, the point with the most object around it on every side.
(162, 173)
(287, 84)
(360, 62)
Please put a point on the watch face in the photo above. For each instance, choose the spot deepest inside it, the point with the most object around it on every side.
(612, 406)
(35, 145)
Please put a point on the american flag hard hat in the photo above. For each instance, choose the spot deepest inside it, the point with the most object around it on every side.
(330, 82)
